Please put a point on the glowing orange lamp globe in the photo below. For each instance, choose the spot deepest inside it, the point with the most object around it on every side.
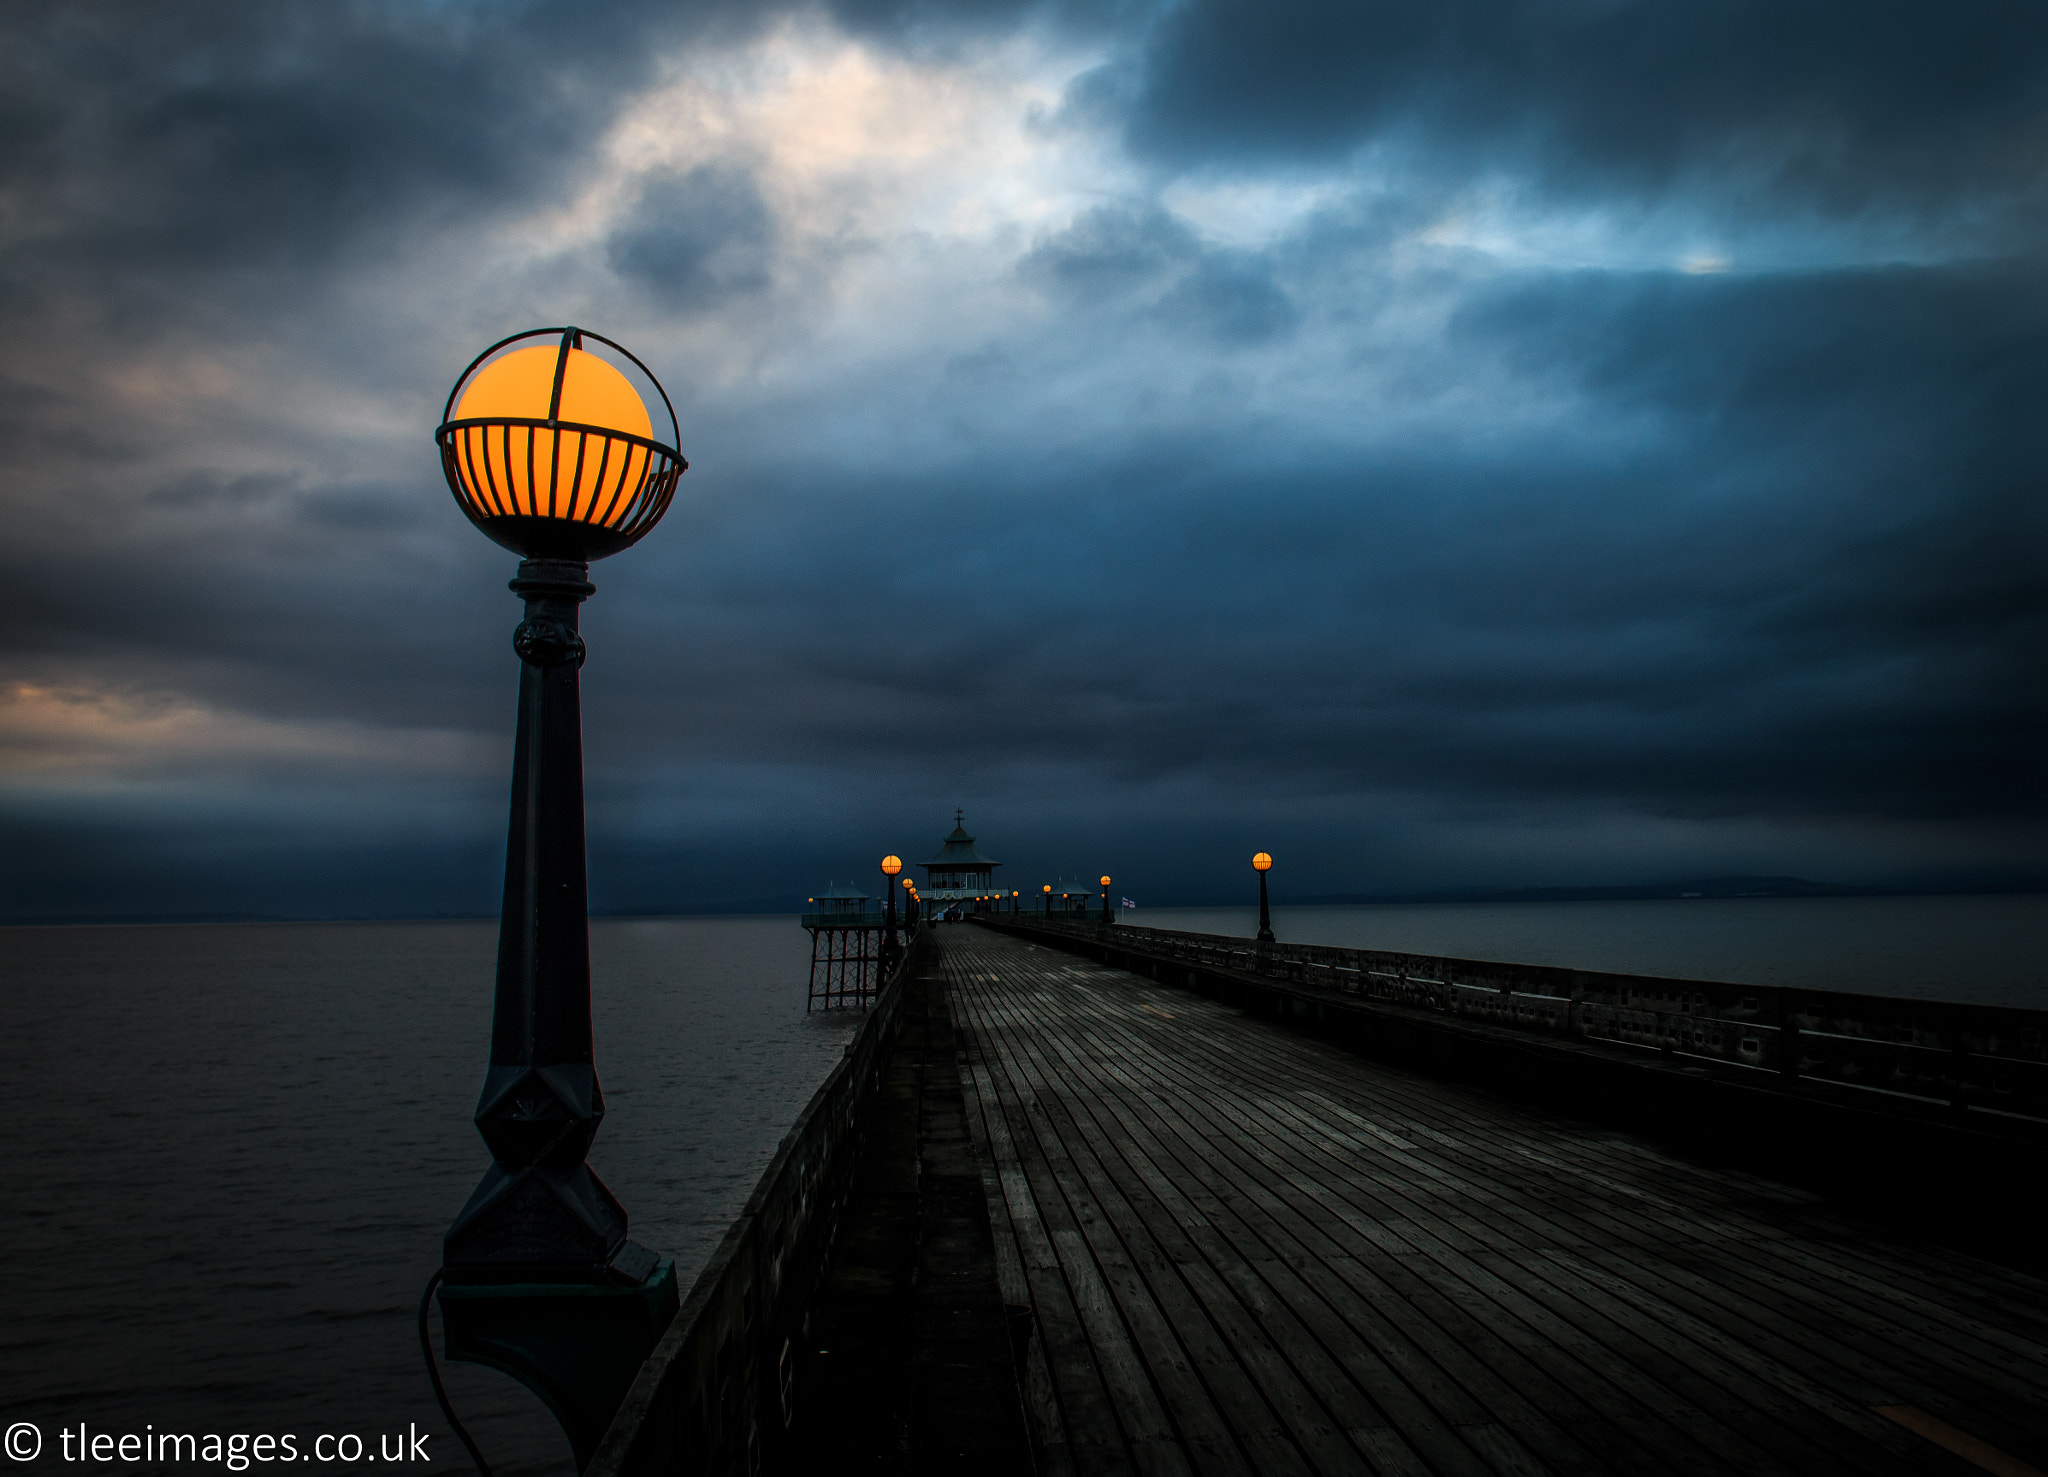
(1262, 863)
(1105, 882)
(891, 865)
(549, 450)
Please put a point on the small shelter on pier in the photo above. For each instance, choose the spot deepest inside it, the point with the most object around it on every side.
(959, 876)
(1073, 897)
(846, 927)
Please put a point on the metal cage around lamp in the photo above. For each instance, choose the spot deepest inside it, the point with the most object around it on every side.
(549, 485)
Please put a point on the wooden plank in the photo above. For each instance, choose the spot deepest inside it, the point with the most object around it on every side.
(1760, 1307)
(1041, 1401)
(1727, 1374)
(1467, 1462)
(1977, 1453)
(1698, 1433)
(1224, 1358)
(1262, 1272)
(1330, 1357)
(1846, 1239)
(1088, 1422)
(1369, 1307)
(1856, 1414)
(1071, 1215)
(1406, 1262)
(1645, 1467)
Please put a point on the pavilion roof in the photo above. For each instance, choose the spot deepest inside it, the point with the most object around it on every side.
(958, 850)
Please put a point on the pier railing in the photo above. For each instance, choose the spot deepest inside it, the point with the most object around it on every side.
(1967, 1057)
(717, 1390)
(843, 920)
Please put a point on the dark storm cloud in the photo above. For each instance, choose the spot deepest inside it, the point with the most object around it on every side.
(1116, 254)
(701, 237)
(1846, 103)
(1112, 251)
(160, 140)
(210, 178)
(1818, 589)
(1212, 538)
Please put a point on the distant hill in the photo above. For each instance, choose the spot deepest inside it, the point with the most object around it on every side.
(1704, 887)
(94, 920)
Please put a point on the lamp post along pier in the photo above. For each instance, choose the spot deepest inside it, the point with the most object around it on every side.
(550, 452)
(891, 948)
(1262, 864)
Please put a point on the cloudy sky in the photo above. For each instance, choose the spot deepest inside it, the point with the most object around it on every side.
(1481, 443)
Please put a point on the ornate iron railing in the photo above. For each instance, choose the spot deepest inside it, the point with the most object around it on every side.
(844, 920)
(717, 1388)
(1983, 1057)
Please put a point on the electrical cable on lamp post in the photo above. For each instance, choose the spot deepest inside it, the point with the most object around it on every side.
(549, 451)
(1262, 864)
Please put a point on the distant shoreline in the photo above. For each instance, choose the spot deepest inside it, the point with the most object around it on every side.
(1704, 890)
(1711, 887)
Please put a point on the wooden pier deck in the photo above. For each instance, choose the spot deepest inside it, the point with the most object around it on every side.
(1248, 1251)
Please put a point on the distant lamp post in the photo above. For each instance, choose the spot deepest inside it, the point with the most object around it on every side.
(549, 451)
(1048, 902)
(1016, 902)
(1262, 864)
(1105, 900)
(891, 865)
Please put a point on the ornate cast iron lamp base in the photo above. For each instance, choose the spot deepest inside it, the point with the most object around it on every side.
(577, 1345)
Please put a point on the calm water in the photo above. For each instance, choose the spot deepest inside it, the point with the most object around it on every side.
(230, 1153)
(1988, 950)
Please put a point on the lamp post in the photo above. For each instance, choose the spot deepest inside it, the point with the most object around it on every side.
(1262, 864)
(549, 451)
(1016, 902)
(1105, 900)
(1048, 902)
(891, 865)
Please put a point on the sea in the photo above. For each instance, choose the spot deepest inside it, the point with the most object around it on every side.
(1989, 950)
(229, 1151)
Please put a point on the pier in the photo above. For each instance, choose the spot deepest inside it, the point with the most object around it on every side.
(1217, 1236)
